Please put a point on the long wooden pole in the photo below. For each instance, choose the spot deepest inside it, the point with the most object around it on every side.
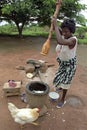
(46, 45)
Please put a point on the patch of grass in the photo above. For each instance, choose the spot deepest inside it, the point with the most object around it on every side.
(82, 41)
(8, 29)
(34, 30)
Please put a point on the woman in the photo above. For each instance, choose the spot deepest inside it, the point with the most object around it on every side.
(66, 56)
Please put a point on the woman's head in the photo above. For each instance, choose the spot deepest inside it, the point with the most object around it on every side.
(68, 27)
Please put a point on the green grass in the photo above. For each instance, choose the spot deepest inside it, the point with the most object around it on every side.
(33, 30)
(82, 41)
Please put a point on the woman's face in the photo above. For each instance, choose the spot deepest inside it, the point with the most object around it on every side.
(66, 32)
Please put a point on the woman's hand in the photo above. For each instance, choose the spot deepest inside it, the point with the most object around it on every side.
(59, 2)
(54, 22)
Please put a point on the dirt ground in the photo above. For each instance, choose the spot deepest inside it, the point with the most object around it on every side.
(15, 52)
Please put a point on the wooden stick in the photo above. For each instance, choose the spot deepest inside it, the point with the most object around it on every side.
(46, 45)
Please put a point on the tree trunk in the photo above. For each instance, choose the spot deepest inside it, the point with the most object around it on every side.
(20, 29)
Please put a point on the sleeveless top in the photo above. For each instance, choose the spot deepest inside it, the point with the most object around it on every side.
(65, 53)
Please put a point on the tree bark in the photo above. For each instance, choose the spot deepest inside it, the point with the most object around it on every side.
(20, 28)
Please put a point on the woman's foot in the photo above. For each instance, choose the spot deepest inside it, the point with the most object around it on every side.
(61, 104)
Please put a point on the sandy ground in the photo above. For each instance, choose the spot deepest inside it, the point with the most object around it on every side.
(15, 52)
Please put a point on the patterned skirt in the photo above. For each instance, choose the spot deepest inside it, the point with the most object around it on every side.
(65, 73)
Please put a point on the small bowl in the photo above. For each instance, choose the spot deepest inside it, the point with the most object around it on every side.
(53, 96)
(29, 75)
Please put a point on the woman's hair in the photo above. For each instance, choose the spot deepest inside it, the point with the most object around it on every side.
(70, 24)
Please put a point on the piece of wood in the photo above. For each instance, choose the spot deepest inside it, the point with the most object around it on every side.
(46, 45)
(11, 91)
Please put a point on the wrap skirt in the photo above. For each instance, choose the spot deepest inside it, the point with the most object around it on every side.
(65, 73)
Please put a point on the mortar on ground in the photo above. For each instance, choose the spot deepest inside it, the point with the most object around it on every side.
(37, 93)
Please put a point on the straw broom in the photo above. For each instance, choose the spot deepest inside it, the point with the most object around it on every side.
(46, 45)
